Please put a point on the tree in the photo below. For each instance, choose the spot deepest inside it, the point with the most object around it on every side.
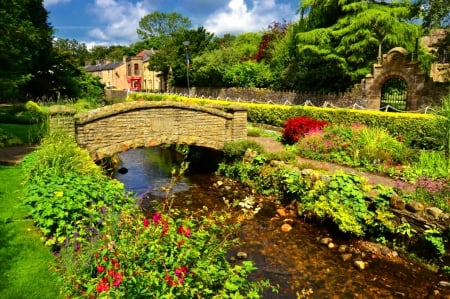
(26, 40)
(159, 26)
(338, 41)
(433, 13)
(210, 67)
(72, 47)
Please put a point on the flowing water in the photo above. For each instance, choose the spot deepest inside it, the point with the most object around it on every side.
(295, 260)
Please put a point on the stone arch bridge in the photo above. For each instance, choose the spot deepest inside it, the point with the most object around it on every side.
(117, 128)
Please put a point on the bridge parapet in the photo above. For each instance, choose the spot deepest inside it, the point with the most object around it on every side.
(116, 128)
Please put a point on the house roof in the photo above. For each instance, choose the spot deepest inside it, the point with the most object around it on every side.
(145, 54)
(103, 67)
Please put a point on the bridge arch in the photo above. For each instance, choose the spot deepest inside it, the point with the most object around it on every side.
(395, 64)
(117, 128)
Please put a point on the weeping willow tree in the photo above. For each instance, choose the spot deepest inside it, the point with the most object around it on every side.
(338, 40)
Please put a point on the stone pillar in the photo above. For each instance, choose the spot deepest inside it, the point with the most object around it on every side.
(238, 123)
(62, 118)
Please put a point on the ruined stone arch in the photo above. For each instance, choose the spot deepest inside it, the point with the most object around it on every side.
(395, 64)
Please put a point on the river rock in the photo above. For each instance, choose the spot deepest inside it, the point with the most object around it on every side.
(241, 255)
(219, 183)
(306, 172)
(397, 202)
(331, 245)
(281, 212)
(414, 206)
(444, 284)
(346, 256)
(325, 241)
(434, 212)
(360, 265)
(286, 227)
(249, 155)
(342, 248)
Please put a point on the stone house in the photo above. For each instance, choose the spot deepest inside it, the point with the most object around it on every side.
(131, 74)
(112, 74)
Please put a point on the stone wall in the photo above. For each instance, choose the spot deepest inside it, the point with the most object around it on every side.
(261, 95)
(116, 128)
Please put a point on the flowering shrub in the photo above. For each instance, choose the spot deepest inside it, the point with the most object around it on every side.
(297, 127)
(164, 255)
(435, 192)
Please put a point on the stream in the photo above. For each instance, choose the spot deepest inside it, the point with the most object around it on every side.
(296, 260)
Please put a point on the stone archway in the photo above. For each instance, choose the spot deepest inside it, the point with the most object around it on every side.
(395, 64)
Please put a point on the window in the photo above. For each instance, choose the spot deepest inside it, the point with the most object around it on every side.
(136, 69)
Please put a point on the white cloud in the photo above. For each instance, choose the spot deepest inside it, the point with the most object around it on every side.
(119, 20)
(238, 17)
(48, 3)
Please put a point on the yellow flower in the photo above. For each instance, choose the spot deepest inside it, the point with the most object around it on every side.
(59, 193)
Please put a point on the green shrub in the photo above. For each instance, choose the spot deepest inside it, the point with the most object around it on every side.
(433, 164)
(58, 154)
(236, 150)
(72, 205)
(8, 139)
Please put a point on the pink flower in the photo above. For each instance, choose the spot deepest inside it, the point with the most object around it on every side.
(146, 222)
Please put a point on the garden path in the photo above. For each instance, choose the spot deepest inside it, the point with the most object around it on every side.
(13, 155)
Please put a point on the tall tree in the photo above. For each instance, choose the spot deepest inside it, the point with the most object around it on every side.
(26, 40)
(173, 56)
(159, 26)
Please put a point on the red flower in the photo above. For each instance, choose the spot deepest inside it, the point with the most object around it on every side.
(146, 222)
(170, 281)
(156, 218)
(117, 280)
(165, 228)
(183, 231)
(100, 269)
(102, 287)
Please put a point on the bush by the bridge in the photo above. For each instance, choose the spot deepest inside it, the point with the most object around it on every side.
(418, 130)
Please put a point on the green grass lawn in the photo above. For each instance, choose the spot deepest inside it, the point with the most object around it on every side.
(25, 261)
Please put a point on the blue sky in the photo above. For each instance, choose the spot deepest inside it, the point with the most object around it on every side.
(113, 22)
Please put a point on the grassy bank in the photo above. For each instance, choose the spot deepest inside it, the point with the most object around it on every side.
(24, 260)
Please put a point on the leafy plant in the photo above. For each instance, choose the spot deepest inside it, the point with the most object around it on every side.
(73, 205)
(435, 238)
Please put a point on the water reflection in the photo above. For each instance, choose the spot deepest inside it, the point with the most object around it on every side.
(149, 170)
